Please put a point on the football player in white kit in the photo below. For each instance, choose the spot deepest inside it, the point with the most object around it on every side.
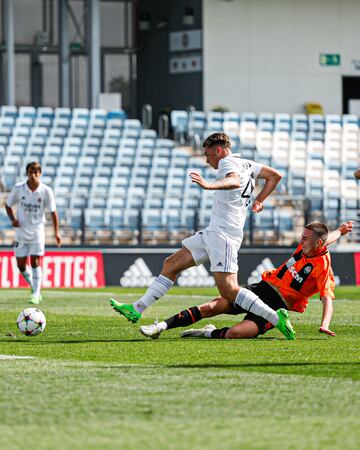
(31, 198)
(220, 242)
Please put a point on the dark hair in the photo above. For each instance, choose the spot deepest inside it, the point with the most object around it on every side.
(320, 230)
(220, 139)
(34, 166)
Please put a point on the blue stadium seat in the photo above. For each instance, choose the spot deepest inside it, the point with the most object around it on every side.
(62, 113)
(179, 121)
(45, 112)
(8, 111)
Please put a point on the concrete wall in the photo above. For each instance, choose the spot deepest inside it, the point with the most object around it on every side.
(156, 85)
(263, 55)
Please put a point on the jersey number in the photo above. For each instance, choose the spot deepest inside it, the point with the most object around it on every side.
(248, 188)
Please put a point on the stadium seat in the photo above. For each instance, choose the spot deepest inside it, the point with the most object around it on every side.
(115, 124)
(153, 202)
(62, 113)
(27, 111)
(179, 121)
(71, 151)
(15, 150)
(100, 184)
(115, 203)
(103, 171)
(97, 201)
(92, 142)
(152, 219)
(45, 112)
(5, 223)
(8, 111)
(148, 134)
(164, 143)
(21, 131)
(58, 132)
(131, 219)
(35, 152)
(114, 218)
(132, 124)
(9, 174)
(61, 122)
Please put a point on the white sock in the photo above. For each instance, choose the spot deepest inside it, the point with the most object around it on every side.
(27, 276)
(252, 303)
(207, 333)
(157, 289)
(162, 326)
(37, 279)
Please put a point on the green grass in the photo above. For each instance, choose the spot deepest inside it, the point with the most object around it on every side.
(96, 383)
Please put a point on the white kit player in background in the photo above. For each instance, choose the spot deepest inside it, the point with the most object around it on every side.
(220, 242)
(32, 198)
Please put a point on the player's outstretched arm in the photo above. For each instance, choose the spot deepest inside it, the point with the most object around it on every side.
(344, 228)
(231, 181)
(326, 316)
(55, 221)
(272, 178)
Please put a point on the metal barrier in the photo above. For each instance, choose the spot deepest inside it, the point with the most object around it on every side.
(163, 126)
(147, 116)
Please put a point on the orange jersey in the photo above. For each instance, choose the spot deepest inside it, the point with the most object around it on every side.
(301, 277)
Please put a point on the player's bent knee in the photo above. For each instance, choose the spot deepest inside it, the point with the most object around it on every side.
(217, 306)
(246, 329)
(169, 267)
(208, 309)
(232, 333)
(229, 292)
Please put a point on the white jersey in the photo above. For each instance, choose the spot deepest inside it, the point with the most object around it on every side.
(30, 210)
(229, 209)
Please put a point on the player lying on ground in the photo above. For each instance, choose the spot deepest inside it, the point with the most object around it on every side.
(221, 240)
(32, 198)
(307, 272)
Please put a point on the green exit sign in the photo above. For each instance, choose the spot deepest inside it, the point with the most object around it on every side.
(330, 59)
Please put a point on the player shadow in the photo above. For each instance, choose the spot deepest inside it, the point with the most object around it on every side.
(257, 365)
(69, 341)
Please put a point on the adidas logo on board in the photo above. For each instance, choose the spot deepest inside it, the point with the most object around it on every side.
(196, 277)
(137, 275)
(255, 276)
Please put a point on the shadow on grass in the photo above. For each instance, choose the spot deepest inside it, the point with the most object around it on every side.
(257, 365)
(35, 340)
(31, 341)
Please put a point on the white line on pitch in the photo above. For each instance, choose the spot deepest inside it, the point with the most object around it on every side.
(15, 357)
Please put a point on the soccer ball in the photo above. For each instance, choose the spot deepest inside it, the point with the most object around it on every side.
(31, 321)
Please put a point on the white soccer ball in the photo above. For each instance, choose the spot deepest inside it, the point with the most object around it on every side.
(31, 321)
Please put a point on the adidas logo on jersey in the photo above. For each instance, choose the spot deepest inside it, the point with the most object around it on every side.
(196, 276)
(255, 276)
(137, 275)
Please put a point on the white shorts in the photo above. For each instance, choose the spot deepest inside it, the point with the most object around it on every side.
(22, 249)
(220, 250)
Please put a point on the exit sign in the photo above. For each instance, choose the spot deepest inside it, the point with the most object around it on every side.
(330, 59)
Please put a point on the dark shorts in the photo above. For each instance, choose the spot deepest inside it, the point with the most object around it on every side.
(269, 296)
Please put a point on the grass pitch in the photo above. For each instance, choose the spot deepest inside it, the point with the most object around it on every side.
(94, 382)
